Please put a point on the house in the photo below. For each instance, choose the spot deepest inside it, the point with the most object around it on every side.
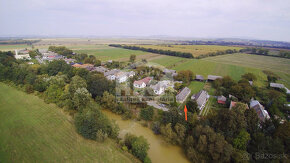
(143, 82)
(233, 104)
(221, 99)
(100, 69)
(131, 74)
(279, 86)
(251, 83)
(168, 71)
(199, 78)
(201, 98)
(121, 77)
(69, 60)
(161, 86)
(182, 95)
(213, 77)
(22, 54)
(260, 110)
(158, 88)
(86, 66)
(111, 75)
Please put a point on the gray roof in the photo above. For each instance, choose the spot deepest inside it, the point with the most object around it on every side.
(101, 69)
(277, 85)
(260, 110)
(199, 77)
(158, 86)
(200, 97)
(213, 77)
(183, 94)
(112, 72)
(222, 98)
(169, 71)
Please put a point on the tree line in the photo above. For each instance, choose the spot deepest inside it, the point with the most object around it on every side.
(174, 53)
(265, 52)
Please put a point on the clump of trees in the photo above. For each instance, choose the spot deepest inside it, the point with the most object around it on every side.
(138, 146)
(186, 76)
(242, 89)
(158, 51)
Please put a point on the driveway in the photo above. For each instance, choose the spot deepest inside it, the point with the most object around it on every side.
(155, 105)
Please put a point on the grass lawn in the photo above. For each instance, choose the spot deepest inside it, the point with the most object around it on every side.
(33, 131)
(196, 86)
(195, 50)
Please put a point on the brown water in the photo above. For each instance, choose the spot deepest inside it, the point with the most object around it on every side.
(159, 152)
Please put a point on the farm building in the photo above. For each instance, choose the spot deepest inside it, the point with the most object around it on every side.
(143, 82)
(260, 110)
(221, 99)
(201, 98)
(199, 78)
(279, 86)
(86, 66)
(213, 77)
(182, 95)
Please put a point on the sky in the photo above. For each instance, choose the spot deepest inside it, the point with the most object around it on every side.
(253, 19)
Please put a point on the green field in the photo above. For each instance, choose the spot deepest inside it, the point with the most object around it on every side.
(33, 131)
(195, 50)
(233, 65)
(109, 53)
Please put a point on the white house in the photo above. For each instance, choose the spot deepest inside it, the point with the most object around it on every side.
(142, 83)
(22, 54)
(121, 77)
(111, 75)
(131, 74)
(139, 84)
(158, 88)
(161, 86)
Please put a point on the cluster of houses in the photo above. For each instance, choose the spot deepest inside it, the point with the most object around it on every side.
(45, 55)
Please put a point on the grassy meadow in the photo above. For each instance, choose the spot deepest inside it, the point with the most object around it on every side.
(33, 131)
(195, 50)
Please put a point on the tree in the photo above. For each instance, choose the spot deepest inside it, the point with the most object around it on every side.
(192, 106)
(132, 58)
(180, 131)
(81, 98)
(168, 133)
(241, 141)
(185, 75)
(249, 76)
(108, 101)
(252, 121)
(140, 147)
(283, 133)
(98, 84)
(147, 113)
